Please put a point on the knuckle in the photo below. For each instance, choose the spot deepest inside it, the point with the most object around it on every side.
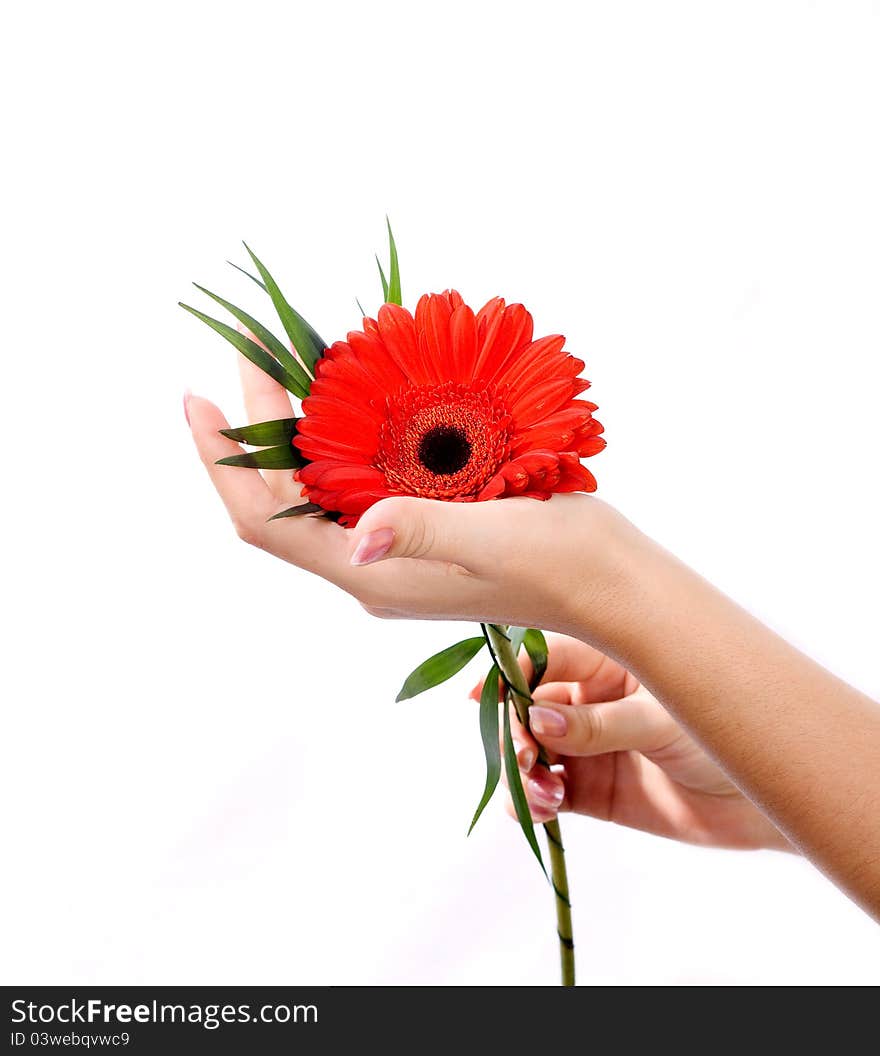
(421, 538)
(589, 726)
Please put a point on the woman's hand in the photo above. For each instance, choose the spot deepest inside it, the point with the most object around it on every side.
(619, 755)
(516, 561)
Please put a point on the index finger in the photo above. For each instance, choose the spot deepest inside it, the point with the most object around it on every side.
(570, 660)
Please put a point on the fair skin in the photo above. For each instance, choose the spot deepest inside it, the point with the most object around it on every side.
(617, 754)
(706, 700)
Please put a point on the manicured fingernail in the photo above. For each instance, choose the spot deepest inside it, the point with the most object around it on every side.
(373, 546)
(186, 397)
(544, 795)
(547, 721)
(526, 759)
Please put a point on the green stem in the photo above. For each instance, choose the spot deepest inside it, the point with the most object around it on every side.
(519, 692)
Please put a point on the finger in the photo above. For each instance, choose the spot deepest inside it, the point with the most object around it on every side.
(570, 660)
(243, 491)
(634, 723)
(544, 791)
(265, 401)
(524, 743)
(465, 534)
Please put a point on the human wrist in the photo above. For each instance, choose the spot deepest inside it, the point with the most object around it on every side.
(609, 598)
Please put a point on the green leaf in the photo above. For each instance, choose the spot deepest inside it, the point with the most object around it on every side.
(536, 647)
(306, 340)
(516, 636)
(278, 350)
(252, 351)
(384, 281)
(489, 733)
(440, 667)
(264, 434)
(394, 295)
(511, 767)
(253, 278)
(360, 307)
(298, 511)
(281, 457)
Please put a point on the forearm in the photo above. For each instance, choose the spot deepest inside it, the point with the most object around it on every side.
(801, 743)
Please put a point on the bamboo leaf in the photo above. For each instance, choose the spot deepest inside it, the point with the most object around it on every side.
(264, 434)
(440, 667)
(306, 340)
(298, 511)
(278, 350)
(253, 278)
(489, 733)
(516, 636)
(394, 295)
(514, 783)
(384, 281)
(252, 351)
(536, 647)
(281, 457)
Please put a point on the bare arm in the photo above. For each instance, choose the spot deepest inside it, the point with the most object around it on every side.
(801, 743)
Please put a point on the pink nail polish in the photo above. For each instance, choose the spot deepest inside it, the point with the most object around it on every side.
(186, 397)
(547, 722)
(546, 796)
(526, 759)
(373, 546)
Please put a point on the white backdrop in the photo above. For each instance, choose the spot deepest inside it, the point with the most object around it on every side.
(205, 777)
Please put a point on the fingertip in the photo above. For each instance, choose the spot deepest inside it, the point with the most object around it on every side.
(372, 547)
(547, 722)
(526, 757)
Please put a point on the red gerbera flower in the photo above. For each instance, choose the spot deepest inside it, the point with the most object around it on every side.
(446, 405)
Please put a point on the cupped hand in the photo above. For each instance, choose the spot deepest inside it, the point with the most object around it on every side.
(618, 755)
(517, 561)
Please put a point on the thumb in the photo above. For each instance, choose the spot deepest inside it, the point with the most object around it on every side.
(634, 723)
(424, 528)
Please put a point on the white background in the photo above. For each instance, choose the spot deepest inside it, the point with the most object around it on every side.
(205, 777)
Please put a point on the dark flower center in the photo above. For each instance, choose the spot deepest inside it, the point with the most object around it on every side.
(444, 450)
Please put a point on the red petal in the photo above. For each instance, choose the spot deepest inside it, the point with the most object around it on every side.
(510, 332)
(316, 448)
(541, 401)
(463, 337)
(531, 360)
(437, 340)
(373, 357)
(493, 489)
(339, 476)
(398, 331)
(591, 445)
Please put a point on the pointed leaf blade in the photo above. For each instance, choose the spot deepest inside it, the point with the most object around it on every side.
(536, 647)
(440, 667)
(264, 434)
(281, 457)
(384, 281)
(520, 804)
(489, 734)
(306, 340)
(298, 511)
(516, 636)
(277, 349)
(394, 295)
(253, 278)
(252, 351)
